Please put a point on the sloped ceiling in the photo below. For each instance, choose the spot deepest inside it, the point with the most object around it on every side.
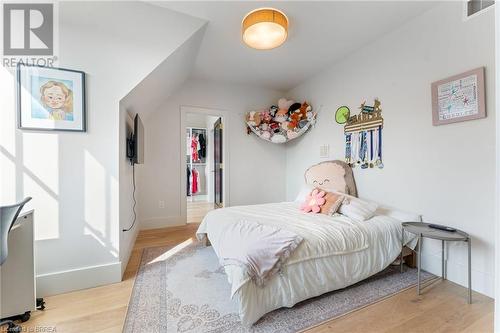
(148, 95)
(162, 44)
(320, 34)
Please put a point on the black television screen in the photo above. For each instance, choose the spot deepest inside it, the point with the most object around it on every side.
(138, 141)
(135, 143)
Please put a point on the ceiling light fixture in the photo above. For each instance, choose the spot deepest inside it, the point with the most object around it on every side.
(264, 28)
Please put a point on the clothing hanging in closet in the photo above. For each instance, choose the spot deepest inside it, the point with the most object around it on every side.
(203, 146)
(194, 181)
(188, 182)
(194, 148)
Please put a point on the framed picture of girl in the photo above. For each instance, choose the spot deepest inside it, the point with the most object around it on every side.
(51, 98)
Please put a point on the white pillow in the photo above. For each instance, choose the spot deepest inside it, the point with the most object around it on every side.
(304, 192)
(357, 209)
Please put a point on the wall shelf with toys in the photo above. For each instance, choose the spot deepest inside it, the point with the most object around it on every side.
(281, 123)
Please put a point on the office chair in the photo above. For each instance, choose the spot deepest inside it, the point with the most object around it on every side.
(8, 216)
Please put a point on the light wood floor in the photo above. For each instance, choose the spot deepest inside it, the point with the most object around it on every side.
(441, 308)
(196, 210)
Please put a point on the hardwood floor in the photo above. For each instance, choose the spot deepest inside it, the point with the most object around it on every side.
(441, 308)
(196, 210)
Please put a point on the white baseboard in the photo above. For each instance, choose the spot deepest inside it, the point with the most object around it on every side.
(76, 279)
(456, 272)
(162, 222)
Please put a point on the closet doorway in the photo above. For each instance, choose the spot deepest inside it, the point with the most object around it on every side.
(204, 164)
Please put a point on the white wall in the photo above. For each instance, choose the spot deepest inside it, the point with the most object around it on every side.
(497, 197)
(256, 168)
(73, 177)
(446, 173)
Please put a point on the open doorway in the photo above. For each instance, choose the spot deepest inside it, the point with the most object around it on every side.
(204, 164)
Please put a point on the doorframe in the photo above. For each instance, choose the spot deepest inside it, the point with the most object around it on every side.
(184, 109)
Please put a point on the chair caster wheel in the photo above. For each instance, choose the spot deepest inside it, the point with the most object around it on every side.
(25, 317)
(40, 304)
(13, 328)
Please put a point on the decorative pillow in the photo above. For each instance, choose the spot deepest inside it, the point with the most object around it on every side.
(332, 204)
(314, 201)
(319, 201)
(357, 209)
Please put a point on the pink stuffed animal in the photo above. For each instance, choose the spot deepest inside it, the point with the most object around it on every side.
(314, 201)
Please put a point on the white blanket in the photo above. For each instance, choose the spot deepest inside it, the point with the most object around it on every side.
(260, 249)
(335, 253)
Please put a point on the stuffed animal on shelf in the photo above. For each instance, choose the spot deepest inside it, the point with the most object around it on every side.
(265, 117)
(294, 120)
(281, 115)
(278, 138)
(294, 107)
(253, 118)
(281, 123)
(274, 126)
(304, 108)
(285, 104)
(265, 135)
(291, 134)
(272, 110)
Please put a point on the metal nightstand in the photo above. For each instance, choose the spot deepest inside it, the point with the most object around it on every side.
(423, 230)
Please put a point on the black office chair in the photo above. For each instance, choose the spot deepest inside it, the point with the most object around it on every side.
(8, 216)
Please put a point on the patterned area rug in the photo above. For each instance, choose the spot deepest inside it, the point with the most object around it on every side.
(183, 289)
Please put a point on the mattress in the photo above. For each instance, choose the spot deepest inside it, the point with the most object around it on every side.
(336, 252)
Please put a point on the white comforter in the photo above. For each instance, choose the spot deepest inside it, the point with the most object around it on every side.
(336, 252)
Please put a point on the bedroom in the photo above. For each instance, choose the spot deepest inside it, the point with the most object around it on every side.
(182, 58)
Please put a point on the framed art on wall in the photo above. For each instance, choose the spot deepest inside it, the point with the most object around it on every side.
(51, 98)
(459, 98)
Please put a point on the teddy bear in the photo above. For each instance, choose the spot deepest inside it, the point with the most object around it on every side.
(253, 118)
(285, 104)
(265, 117)
(285, 125)
(304, 108)
(294, 120)
(265, 135)
(281, 115)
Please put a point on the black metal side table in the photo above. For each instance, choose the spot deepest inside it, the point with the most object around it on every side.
(423, 230)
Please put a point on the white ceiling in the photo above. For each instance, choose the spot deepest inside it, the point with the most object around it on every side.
(320, 33)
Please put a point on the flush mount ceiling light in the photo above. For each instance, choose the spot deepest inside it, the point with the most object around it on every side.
(264, 28)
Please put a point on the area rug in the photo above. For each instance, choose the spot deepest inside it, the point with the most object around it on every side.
(183, 289)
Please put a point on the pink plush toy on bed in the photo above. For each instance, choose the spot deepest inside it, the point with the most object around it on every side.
(314, 201)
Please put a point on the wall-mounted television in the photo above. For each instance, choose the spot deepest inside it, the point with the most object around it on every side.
(135, 143)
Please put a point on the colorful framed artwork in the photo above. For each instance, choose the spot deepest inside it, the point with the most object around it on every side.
(50, 98)
(459, 98)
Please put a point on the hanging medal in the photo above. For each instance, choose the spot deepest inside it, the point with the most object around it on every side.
(371, 148)
(363, 151)
(348, 148)
(379, 162)
(354, 149)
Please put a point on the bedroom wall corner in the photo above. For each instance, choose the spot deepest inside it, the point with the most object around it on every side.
(432, 170)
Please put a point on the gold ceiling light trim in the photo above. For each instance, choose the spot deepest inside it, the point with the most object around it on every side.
(264, 28)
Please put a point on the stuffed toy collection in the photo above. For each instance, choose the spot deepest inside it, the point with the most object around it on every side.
(281, 123)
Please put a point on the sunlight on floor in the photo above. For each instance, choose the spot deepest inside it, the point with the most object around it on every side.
(171, 252)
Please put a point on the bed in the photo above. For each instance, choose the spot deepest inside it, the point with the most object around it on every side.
(335, 251)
